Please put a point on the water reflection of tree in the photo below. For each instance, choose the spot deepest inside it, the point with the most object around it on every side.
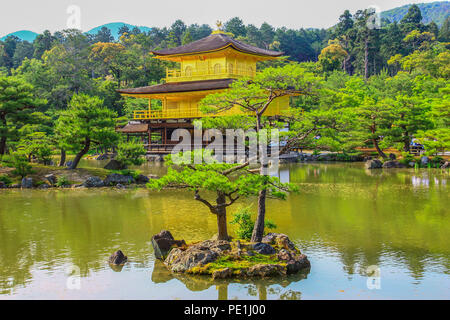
(256, 287)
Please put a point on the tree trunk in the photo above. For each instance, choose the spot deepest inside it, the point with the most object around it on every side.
(3, 138)
(258, 230)
(380, 152)
(406, 142)
(222, 218)
(62, 161)
(80, 154)
(2, 145)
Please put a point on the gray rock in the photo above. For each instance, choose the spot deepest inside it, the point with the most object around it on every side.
(373, 164)
(2, 185)
(163, 242)
(279, 239)
(222, 273)
(115, 178)
(265, 270)
(69, 163)
(27, 183)
(114, 165)
(51, 178)
(141, 179)
(393, 164)
(15, 186)
(93, 182)
(44, 186)
(120, 186)
(202, 253)
(392, 156)
(118, 258)
(294, 262)
(263, 248)
(445, 165)
(412, 164)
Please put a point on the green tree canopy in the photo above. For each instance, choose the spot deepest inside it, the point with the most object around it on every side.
(84, 124)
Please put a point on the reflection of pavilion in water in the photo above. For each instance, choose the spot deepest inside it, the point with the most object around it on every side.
(256, 287)
(424, 181)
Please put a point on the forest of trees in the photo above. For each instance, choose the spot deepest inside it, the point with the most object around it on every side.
(392, 81)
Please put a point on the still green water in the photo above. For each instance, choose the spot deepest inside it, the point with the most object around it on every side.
(344, 218)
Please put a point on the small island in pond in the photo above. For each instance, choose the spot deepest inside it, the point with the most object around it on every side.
(275, 255)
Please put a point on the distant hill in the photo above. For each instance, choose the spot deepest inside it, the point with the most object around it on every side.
(25, 35)
(433, 11)
(115, 26)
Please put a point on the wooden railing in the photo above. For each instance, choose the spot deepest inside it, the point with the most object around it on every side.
(273, 110)
(176, 75)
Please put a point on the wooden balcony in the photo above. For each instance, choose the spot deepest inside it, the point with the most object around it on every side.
(176, 75)
(273, 110)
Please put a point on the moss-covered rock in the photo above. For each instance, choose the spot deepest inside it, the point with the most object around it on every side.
(241, 259)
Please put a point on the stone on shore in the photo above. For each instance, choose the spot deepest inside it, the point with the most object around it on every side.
(51, 178)
(373, 164)
(141, 179)
(294, 262)
(197, 255)
(445, 165)
(163, 242)
(27, 183)
(265, 270)
(222, 273)
(93, 182)
(279, 239)
(393, 164)
(115, 178)
(118, 258)
(263, 248)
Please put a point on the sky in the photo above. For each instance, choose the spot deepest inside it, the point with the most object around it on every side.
(40, 15)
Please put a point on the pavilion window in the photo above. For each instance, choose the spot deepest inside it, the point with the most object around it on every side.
(217, 68)
(188, 71)
(230, 68)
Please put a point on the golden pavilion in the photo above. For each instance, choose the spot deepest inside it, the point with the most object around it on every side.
(207, 66)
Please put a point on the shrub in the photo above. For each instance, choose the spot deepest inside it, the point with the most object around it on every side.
(7, 159)
(437, 161)
(62, 181)
(245, 223)
(21, 165)
(128, 172)
(5, 179)
(131, 153)
(407, 158)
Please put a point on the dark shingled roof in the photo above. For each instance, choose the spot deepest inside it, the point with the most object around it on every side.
(134, 128)
(215, 42)
(180, 87)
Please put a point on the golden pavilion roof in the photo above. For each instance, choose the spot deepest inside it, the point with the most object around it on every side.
(186, 86)
(216, 42)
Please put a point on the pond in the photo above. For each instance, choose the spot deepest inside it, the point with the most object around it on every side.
(369, 235)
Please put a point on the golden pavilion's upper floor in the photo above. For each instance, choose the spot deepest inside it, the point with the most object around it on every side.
(218, 56)
(207, 66)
